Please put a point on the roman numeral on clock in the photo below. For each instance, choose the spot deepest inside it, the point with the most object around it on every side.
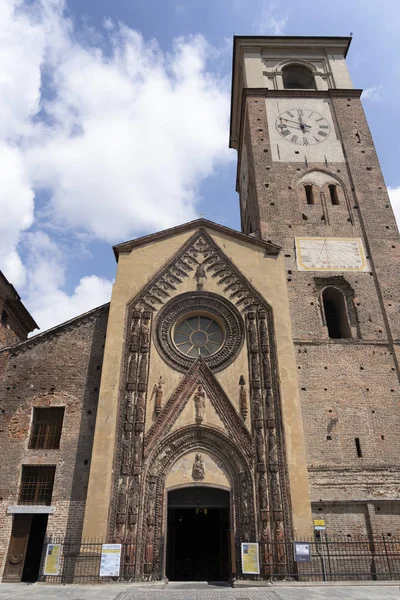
(294, 138)
(305, 141)
(290, 113)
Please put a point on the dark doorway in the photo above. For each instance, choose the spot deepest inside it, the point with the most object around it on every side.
(34, 549)
(198, 524)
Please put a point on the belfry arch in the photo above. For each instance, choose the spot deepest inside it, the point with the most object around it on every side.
(237, 463)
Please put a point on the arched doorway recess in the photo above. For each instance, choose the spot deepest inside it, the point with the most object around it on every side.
(238, 464)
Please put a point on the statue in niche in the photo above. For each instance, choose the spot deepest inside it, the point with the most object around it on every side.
(140, 408)
(144, 338)
(129, 415)
(122, 501)
(252, 333)
(135, 332)
(149, 545)
(200, 404)
(263, 492)
(200, 276)
(157, 393)
(126, 453)
(198, 470)
(243, 398)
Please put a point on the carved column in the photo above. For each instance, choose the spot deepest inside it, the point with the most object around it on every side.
(273, 531)
(133, 415)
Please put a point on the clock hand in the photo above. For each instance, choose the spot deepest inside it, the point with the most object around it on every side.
(300, 123)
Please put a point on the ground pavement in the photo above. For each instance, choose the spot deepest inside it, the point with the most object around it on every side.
(197, 591)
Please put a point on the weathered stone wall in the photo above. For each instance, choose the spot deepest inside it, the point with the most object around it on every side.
(58, 368)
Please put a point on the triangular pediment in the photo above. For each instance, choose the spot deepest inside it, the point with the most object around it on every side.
(199, 249)
(199, 375)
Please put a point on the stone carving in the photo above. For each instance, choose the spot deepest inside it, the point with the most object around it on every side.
(144, 334)
(157, 394)
(132, 372)
(200, 276)
(134, 501)
(263, 492)
(137, 454)
(126, 453)
(122, 502)
(140, 412)
(198, 470)
(252, 332)
(134, 332)
(206, 303)
(151, 500)
(260, 447)
(243, 398)
(129, 414)
(200, 404)
(149, 548)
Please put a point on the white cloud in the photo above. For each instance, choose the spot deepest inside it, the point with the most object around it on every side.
(273, 20)
(373, 93)
(394, 195)
(48, 302)
(119, 140)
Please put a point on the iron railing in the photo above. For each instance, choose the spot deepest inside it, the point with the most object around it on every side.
(331, 559)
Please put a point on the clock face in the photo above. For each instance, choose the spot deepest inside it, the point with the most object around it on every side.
(330, 254)
(302, 126)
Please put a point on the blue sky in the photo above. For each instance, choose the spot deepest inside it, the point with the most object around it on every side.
(114, 123)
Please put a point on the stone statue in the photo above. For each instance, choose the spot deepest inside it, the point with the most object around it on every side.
(134, 333)
(198, 471)
(126, 453)
(122, 501)
(263, 492)
(158, 395)
(129, 415)
(243, 398)
(144, 338)
(200, 276)
(200, 404)
(148, 557)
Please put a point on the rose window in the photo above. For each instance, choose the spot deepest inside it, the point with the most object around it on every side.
(198, 336)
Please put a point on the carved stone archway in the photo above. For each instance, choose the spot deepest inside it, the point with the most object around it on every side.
(149, 564)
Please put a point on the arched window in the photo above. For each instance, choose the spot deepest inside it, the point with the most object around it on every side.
(334, 304)
(297, 77)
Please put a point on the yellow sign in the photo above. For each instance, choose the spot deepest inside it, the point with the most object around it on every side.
(319, 523)
(52, 562)
(250, 559)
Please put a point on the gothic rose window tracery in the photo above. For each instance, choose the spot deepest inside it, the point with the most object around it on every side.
(198, 335)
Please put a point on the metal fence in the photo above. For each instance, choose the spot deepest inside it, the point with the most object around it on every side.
(331, 559)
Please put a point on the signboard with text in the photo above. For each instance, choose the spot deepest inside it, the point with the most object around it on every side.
(110, 560)
(52, 560)
(302, 552)
(250, 559)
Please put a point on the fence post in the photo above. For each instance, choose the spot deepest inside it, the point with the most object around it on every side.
(328, 557)
(387, 556)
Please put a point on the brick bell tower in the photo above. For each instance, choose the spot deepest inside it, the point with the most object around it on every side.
(309, 180)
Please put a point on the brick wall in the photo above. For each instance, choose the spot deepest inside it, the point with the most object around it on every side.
(58, 368)
(349, 388)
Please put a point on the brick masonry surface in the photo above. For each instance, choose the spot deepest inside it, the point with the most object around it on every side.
(349, 388)
(59, 368)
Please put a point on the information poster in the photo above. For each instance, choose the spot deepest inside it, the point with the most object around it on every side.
(110, 560)
(302, 552)
(250, 559)
(52, 561)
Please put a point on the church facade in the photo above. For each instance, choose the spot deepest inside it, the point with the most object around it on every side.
(239, 385)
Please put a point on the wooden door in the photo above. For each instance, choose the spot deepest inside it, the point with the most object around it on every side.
(17, 548)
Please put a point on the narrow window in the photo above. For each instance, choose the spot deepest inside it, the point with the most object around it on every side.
(36, 485)
(46, 428)
(334, 305)
(334, 195)
(309, 194)
(358, 447)
(4, 317)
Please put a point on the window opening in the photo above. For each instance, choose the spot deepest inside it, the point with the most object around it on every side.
(297, 77)
(334, 304)
(334, 195)
(36, 485)
(309, 194)
(4, 317)
(46, 428)
(358, 447)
